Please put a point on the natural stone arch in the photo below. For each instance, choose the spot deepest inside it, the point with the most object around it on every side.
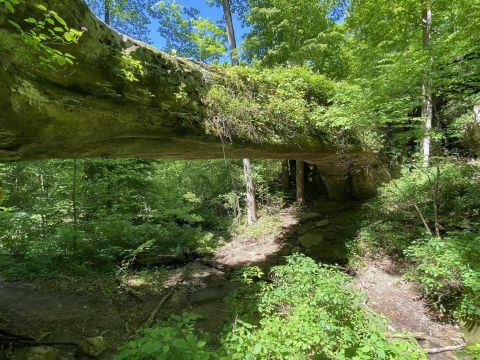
(90, 111)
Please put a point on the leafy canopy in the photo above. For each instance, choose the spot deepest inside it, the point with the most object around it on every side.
(189, 35)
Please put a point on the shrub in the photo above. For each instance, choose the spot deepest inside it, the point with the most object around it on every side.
(449, 271)
(443, 246)
(454, 190)
(310, 311)
(174, 339)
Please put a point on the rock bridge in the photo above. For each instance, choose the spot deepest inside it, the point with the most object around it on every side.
(88, 110)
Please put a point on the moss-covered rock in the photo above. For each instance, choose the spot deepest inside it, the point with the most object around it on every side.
(310, 240)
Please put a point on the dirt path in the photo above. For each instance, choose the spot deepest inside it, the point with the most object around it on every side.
(264, 250)
(398, 300)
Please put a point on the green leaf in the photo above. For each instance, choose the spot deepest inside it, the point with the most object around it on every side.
(9, 7)
(60, 20)
(58, 29)
(69, 37)
(15, 24)
(41, 7)
(257, 349)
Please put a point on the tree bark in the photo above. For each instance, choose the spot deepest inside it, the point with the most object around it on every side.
(300, 181)
(285, 176)
(227, 14)
(427, 107)
(251, 203)
(106, 10)
(74, 205)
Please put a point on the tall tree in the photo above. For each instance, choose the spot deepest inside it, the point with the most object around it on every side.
(187, 34)
(427, 107)
(75, 205)
(247, 166)
(300, 181)
(129, 17)
(285, 176)
(411, 59)
(297, 32)
(227, 15)
(251, 202)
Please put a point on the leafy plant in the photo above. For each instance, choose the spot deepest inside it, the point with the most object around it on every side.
(431, 216)
(446, 197)
(311, 312)
(10, 4)
(49, 30)
(449, 272)
(171, 340)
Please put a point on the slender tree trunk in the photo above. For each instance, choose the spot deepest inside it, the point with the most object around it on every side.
(227, 14)
(251, 203)
(74, 204)
(427, 107)
(45, 199)
(106, 10)
(300, 181)
(436, 191)
(247, 167)
(285, 176)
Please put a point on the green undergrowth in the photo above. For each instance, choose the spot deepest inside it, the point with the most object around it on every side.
(78, 218)
(330, 323)
(442, 249)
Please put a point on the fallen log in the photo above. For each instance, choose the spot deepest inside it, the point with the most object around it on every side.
(163, 300)
(445, 349)
(177, 260)
(164, 259)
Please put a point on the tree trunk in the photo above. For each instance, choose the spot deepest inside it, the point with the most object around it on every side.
(227, 14)
(74, 205)
(247, 168)
(300, 181)
(251, 203)
(285, 176)
(45, 201)
(427, 107)
(106, 10)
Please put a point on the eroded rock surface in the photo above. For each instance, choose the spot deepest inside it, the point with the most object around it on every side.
(91, 110)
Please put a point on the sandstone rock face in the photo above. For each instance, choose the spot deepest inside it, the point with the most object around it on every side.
(474, 133)
(344, 179)
(88, 110)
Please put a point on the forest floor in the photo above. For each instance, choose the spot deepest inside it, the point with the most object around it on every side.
(70, 309)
